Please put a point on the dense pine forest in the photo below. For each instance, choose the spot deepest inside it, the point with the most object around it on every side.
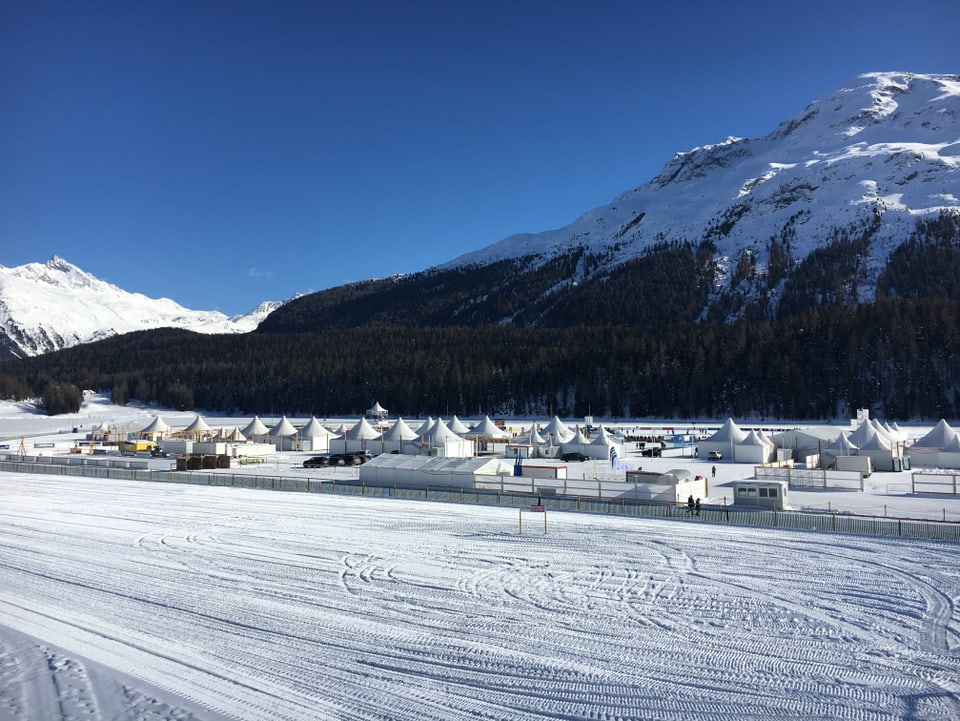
(899, 358)
(651, 338)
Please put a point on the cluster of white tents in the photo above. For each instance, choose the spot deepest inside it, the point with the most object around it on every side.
(453, 439)
(940, 448)
(882, 443)
(738, 445)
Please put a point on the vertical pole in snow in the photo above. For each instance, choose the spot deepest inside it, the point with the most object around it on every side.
(520, 513)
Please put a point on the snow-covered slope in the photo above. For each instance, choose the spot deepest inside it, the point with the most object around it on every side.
(53, 305)
(884, 145)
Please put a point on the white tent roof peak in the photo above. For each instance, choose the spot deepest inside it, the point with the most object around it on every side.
(314, 429)
(426, 428)
(842, 445)
(603, 439)
(198, 424)
(535, 436)
(255, 428)
(457, 426)
(487, 429)
(557, 429)
(377, 410)
(440, 433)
(157, 425)
(753, 439)
(362, 431)
(400, 431)
(283, 428)
(939, 437)
(729, 431)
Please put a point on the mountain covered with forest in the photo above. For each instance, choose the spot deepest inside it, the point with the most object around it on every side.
(821, 210)
(804, 274)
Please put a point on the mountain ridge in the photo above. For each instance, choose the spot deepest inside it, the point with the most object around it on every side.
(776, 171)
(809, 213)
(49, 306)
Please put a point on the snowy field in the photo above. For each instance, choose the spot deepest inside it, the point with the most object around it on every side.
(123, 601)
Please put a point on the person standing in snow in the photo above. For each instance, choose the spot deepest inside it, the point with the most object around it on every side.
(714, 471)
(690, 505)
(697, 506)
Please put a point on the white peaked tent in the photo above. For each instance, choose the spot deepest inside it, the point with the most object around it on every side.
(426, 428)
(444, 442)
(487, 429)
(314, 437)
(556, 430)
(255, 429)
(198, 428)
(723, 441)
(362, 437)
(232, 435)
(489, 438)
(535, 438)
(603, 444)
(156, 429)
(457, 426)
(871, 443)
(842, 446)
(939, 437)
(927, 451)
(284, 435)
(579, 443)
(950, 455)
(378, 411)
(753, 449)
(885, 433)
(400, 438)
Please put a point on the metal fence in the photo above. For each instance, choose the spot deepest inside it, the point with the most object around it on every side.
(830, 522)
(921, 482)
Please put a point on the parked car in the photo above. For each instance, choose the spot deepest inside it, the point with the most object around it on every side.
(714, 456)
(570, 457)
(316, 462)
(336, 460)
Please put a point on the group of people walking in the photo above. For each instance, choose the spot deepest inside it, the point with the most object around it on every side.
(693, 506)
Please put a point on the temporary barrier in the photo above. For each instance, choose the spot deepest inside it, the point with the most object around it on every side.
(796, 520)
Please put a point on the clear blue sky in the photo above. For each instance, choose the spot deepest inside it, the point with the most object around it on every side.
(226, 153)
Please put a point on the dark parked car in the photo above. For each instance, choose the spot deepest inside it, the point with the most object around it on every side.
(316, 462)
(570, 457)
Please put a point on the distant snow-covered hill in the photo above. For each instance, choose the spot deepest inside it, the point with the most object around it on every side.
(48, 306)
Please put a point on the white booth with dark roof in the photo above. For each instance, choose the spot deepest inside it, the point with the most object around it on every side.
(767, 494)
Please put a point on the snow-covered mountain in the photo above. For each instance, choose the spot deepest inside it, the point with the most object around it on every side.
(865, 161)
(883, 146)
(48, 306)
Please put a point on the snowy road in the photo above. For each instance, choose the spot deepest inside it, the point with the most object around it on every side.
(125, 600)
